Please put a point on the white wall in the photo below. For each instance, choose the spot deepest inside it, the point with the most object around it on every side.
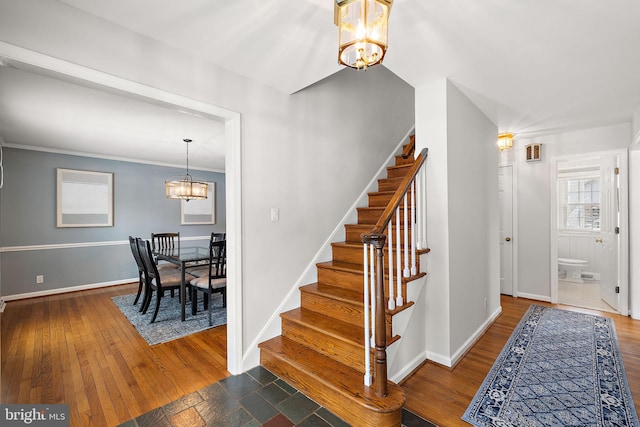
(533, 195)
(299, 154)
(463, 266)
(634, 229)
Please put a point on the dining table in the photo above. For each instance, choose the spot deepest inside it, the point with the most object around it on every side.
(183, 257)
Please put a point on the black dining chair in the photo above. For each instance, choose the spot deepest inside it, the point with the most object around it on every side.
(215, 281)
(202, 270)
(156, 281)
(136, 256)
(168, 242)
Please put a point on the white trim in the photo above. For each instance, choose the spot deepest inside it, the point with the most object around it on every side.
(82, 245)
(470, 342)
(57, 291)
(409, 367)
(272, 327)
(233, 165)
(544, 298)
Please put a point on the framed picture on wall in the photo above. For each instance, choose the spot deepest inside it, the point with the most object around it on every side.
(196, 212)
(84, 198)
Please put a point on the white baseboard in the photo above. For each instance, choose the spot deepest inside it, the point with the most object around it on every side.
(65, 290)
(475, 337)
(534, 296)
(2, 305)
(409, 368)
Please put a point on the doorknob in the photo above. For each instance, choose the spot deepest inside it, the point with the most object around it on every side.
(598, 239)
(507, 239)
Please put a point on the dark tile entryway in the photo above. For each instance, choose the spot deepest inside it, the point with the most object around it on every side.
(255, 398)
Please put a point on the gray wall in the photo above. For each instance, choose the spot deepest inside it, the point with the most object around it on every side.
(90, 255)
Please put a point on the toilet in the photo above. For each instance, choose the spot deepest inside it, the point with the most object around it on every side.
(573, 268)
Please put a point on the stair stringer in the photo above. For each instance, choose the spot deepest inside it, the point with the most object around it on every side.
(273, 327)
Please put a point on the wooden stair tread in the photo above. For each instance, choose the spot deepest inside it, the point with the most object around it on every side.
(327, 325)
(335, 376)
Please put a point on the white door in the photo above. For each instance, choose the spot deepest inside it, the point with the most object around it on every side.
(609, 231)
(505, 191)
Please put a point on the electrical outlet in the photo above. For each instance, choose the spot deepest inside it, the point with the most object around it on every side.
(40, 278)
(485, 303)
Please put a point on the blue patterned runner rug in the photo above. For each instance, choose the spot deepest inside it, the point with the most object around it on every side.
(559, 368)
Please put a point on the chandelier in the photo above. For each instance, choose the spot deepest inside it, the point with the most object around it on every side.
(363, 31)
(186, 187)
(505, 141)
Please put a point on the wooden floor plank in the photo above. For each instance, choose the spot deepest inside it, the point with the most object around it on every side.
(78, 348)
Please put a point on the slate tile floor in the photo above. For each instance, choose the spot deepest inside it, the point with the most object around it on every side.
(254, 398)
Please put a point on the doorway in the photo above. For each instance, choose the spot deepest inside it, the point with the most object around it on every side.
(589, 254)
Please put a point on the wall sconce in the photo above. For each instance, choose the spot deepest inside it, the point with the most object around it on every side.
(505, 141)
(363, 34)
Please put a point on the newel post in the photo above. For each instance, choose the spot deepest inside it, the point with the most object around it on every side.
(380, 356)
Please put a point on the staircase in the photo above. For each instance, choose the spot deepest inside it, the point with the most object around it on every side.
(321, 350)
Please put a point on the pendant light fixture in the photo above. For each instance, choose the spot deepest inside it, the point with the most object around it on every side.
(363, 31)
(186, 187)
(505, 141)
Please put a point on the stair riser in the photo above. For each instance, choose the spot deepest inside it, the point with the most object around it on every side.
(379, 200)
(341, 278)
(398, 172)
(402, 161)
(340, 310)
(351, 254)
(355, 255)
(387, 184)
(344, 352)
(344, 408)
(354, 233)
(372, 215)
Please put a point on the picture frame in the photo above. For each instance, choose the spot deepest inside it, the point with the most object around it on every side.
(199, 212)
(84, 198)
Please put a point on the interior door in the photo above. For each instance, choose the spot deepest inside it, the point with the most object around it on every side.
(505, 191)
(609, 232)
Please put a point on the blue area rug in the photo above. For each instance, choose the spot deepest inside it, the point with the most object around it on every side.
(168, 325)
(559, 368)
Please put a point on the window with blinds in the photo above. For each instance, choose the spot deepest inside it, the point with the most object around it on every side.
(579, 203)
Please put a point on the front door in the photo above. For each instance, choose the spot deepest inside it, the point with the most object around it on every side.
(505, 191)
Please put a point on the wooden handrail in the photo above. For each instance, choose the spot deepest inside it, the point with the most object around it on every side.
(387, 214)
(410, 147)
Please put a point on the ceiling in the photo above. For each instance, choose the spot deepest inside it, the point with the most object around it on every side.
(532, 66)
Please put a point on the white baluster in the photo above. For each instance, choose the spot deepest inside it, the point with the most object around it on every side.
(367, 347)
(418, 224)
(399, 301)
(406, 238)
(392, 302)
(414, 267)
(372, 282)
(423, 216)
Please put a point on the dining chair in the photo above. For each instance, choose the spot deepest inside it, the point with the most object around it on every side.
(202, 270)
(136, 256)
(155, 280)
(215, 281)
(165, 242)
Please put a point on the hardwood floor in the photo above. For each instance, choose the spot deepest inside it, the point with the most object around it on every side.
(79, 349)
(441, 395)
